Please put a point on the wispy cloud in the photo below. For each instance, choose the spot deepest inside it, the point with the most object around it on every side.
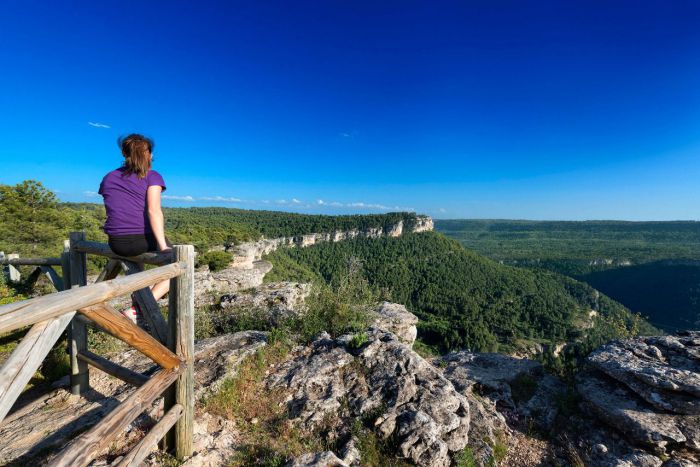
(98, 125)
(221, 199)
(362, 205)
(179, 198)
(90, 194)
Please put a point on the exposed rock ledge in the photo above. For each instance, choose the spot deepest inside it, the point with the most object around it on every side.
(648, 391)
(246, 254)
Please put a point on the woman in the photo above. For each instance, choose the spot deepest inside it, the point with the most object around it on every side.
(131, 196)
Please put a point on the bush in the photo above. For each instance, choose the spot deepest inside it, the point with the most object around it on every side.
(216, 260)
(337, 310)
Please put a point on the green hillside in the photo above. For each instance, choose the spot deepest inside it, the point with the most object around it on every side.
(465, 300)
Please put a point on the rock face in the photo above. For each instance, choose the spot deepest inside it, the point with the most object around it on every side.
(406, 397)
(648, 390)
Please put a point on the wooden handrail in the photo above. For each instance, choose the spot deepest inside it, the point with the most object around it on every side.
(24, 313)
(102, 249)
(32, 261)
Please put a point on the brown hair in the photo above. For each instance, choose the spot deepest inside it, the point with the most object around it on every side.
(136, 150)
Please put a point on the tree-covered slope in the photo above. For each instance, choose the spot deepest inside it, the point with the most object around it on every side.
(465, 300)
(653, 268)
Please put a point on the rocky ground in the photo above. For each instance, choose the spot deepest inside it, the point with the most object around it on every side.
(636, 403)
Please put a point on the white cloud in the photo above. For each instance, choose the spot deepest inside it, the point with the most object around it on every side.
(90, 194)
(98, 125)
(179, 198)
(296, 201)
(219, 198)
(281, 201)
(442, 210)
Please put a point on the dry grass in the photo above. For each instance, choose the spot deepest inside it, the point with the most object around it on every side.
(269, 437)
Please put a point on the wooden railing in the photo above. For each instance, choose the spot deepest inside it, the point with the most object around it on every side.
(77, 306)
(43, 266)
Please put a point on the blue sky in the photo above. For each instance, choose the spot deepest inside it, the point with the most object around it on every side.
(471, 109)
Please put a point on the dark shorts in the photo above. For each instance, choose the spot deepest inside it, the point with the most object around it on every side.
(134, 245)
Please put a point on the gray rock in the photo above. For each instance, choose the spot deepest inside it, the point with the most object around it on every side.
(648, 390)
(491, 373)
(278, 300)
(395, 318)
(321, 459)
(619, 408)
(637, 459)
(385, 382)
(600, 448)
(643, 369)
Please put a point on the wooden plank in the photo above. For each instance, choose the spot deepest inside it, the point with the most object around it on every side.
(77, 331)
(146, 445)
(181, 341)
(102, 249)
(110, 271)
(20, 314)
(15, 260)
(122, 328)
(53, 277)
(27, 357)
(111, 368)
(149, 306)
(89, 445)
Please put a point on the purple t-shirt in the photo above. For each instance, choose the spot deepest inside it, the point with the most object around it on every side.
(125, 201)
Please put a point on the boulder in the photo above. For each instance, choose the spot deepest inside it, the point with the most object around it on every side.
(395, 318)
(383, 382)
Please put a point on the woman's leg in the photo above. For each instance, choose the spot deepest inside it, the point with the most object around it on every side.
(160, 289)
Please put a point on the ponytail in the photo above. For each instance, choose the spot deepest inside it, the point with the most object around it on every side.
(136, 150)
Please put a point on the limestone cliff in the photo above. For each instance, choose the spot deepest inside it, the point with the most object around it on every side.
(246, 254)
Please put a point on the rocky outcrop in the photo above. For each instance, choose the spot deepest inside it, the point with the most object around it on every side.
(495, 382)
(648, 391)
(405, 397)
(277, 300)
(246, 254)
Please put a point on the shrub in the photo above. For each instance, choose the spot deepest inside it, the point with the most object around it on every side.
(345, 307)
(216, 260)
(358, 340)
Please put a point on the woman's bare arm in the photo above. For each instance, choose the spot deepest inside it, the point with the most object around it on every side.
(155, 215)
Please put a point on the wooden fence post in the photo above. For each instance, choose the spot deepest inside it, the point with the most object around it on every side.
(13, 272)
(77, 331)
(181, 341)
